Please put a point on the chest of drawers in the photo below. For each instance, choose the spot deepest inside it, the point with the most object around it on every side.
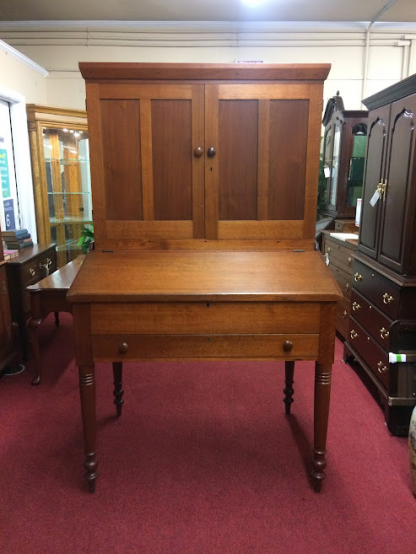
(383, 321)
(30, 266)
(339, 254)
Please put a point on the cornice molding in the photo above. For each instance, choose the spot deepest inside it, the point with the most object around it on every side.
(4, 47)
(203, 33)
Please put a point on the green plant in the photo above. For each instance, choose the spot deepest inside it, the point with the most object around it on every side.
(87, 238)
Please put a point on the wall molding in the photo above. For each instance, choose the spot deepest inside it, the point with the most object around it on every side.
(202, 33)
(4, 47)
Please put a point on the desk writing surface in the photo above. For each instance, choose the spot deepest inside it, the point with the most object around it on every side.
(199, 276)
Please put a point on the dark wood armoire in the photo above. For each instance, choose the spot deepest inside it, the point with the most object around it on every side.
(342, 159)
(383, 316)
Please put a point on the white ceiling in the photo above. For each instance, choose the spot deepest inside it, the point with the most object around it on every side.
(207, 10)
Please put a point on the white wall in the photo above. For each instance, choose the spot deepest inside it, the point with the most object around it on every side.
(392, 54)
(17, 76)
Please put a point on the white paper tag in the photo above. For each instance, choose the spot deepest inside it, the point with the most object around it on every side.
(375, 198)
(327, 172)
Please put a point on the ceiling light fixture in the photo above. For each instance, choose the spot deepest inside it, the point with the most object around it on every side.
(253, 3)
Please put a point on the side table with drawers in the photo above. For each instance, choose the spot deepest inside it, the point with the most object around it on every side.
(339, 253)
(30, 266)
(383, 314)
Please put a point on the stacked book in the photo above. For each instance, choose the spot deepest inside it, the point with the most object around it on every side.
(16, 239)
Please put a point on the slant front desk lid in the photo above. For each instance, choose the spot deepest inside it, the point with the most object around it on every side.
(204, 276)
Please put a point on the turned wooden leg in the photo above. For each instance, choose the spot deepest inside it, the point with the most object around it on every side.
(321, 411)
(32, 327)
(57, 319)
(288, 390)
(87, 392)
(118, 386)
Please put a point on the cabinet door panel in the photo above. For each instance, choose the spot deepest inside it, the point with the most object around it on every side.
(288, 158)
(238, 148)
(122, 161)
(374, 171)
(265, 155)
(147, 182)
(395, 212)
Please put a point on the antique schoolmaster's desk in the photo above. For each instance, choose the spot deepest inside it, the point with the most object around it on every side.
(204, 182)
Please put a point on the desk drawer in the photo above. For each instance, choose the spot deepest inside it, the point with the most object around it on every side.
(35, 269)
(141, 347)
(198, 318)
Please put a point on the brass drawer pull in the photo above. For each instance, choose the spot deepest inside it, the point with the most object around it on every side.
(384, 333)
(344, 314)
(347, 287)
(387, 298)
(349, 261)
(353, 334)
(123, 347)
(46, 265)
(355, 306)
(32, 271)
(381, 368)
(358, 277)
(287, 345)
(328, 249)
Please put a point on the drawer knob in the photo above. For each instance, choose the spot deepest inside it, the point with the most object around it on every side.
(355, 306)
(344, 314)
(358, 277)
(353, 334)
(347, 287)
(287, 346)
(384, 333)
(387, 298)
(329, 249)
(123, 347)
(349, 260)
(198, 152)
(381, 368)
(32, 271)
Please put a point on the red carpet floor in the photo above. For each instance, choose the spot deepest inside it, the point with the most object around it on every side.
(202, 461)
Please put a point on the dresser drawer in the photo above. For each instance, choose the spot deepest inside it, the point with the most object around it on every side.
(371, 353)
(377, 289)
(375, 322)
(141, 347)
(341, 256)
(343, 317)
(343, 280)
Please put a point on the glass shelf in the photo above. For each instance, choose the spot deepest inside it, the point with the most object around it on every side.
(65, 193)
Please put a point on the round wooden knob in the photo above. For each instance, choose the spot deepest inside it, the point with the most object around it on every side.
(123, 347)
(198, 152)
(211, 152)
(287, 346)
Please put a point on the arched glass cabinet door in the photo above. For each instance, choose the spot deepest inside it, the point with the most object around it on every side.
(356, 164)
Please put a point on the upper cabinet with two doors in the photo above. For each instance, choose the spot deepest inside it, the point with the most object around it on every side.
(388, 230)
(192, 154)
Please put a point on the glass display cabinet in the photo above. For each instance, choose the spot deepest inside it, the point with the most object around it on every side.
(343, 157)
(61, 177)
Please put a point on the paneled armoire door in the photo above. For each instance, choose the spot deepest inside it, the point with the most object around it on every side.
(149, 141)
(261, 160)
(397, 211)
(378, 124)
